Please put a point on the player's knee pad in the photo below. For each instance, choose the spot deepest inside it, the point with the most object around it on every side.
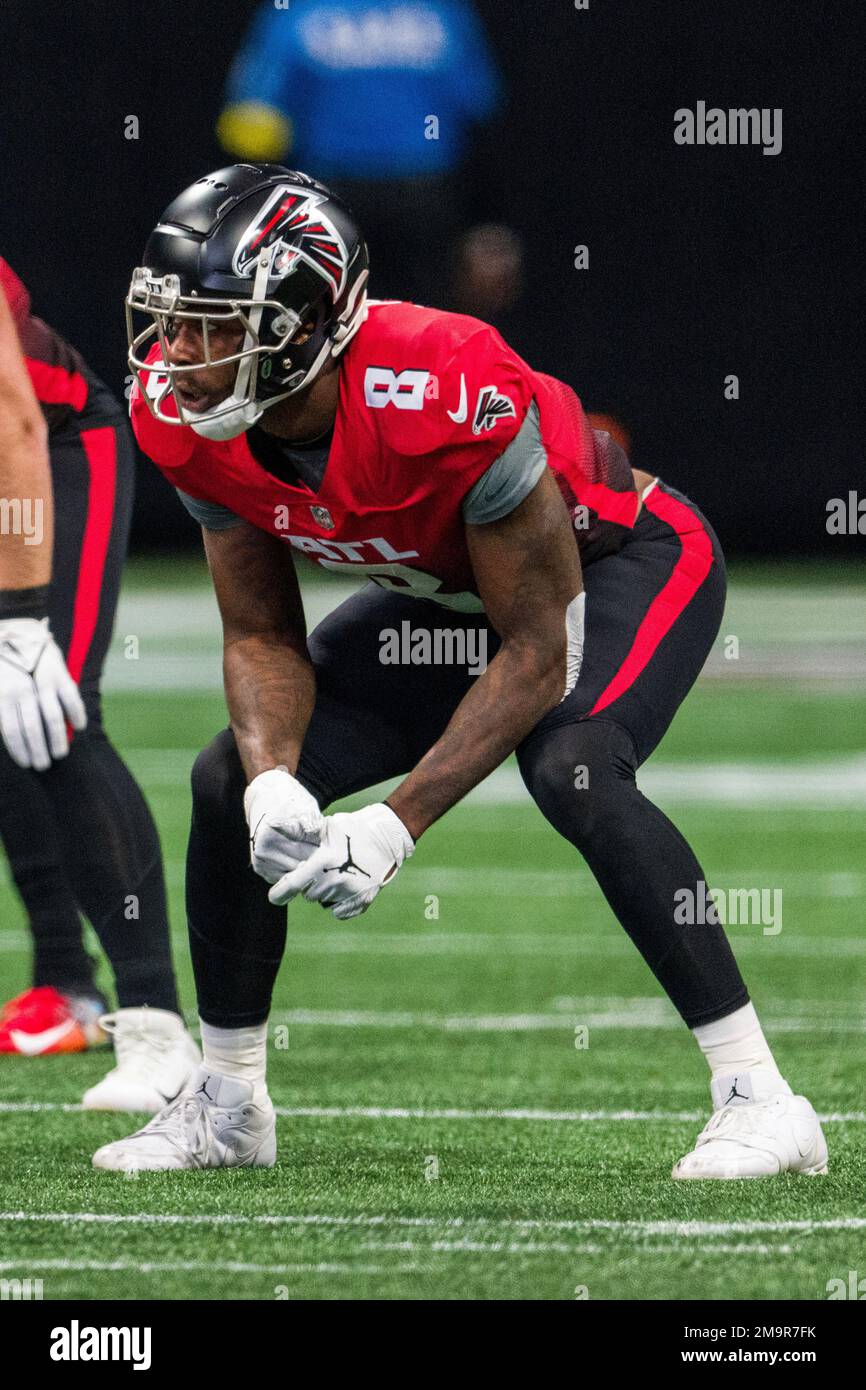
(580, 776)
(217, 777)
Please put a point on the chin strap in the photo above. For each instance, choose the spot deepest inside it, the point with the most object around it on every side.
(235, 417)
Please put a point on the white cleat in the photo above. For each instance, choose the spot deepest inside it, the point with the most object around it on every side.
(155, 1058)
(214, 1124)
(758, 1128)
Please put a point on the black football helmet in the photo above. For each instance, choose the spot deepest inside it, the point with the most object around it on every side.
(268, 249)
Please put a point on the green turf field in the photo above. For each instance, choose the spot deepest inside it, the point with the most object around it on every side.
(441, 1133)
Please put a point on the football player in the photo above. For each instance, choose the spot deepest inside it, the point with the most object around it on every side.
(74, 824)
(415, 448)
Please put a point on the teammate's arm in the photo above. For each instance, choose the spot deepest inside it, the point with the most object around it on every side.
(25, 471)
(37, 694)
(528, 573)
(269, 681)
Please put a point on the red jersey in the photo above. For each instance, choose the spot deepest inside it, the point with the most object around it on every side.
(58, 373)
(428, 401)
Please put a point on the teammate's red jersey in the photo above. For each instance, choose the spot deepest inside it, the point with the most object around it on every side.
(58, 373)
(427, 402)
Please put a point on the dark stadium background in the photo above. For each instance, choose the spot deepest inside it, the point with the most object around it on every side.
(703, 262)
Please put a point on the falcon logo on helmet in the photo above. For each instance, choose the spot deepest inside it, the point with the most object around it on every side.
(291, 222)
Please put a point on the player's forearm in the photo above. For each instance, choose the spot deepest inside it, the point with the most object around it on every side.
(523, 682)
(270, 692)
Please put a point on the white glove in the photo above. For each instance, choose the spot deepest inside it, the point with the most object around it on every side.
(37, 694)
(360, 852)
(284, 822)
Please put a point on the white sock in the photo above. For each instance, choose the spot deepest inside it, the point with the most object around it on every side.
(735, 1043)
(238, 1052)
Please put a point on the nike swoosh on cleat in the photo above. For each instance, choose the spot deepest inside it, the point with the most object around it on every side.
(246, 1146)
(31, 1044)
(805, 1137)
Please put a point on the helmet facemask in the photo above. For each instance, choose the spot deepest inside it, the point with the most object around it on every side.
(266, 360)
(267, 328)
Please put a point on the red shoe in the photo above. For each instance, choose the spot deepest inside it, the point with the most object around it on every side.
(42, 1020)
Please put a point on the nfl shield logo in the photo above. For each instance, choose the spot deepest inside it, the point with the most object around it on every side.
(323, 518)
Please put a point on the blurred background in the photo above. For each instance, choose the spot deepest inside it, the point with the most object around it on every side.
(555, 131)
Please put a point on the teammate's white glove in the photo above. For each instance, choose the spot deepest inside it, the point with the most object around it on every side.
(37, 694)
(360, 852)
(284, 822)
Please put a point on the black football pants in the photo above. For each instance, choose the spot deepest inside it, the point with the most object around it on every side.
(652, 613)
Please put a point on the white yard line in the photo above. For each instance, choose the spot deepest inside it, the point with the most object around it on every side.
(825, 782)
(400, 1112)
(198, 1267)
(681, 1230)
(540, 944)
(331, 1267)
(359, 943)
(447, 1247)
(481, 1247)
(649, 1019)
(816, 782)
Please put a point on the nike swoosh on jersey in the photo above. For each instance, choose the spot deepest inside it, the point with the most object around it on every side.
(31, 1044)
(459, 415)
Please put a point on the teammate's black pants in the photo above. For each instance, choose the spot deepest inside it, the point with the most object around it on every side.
(652, 613)
(80, 837)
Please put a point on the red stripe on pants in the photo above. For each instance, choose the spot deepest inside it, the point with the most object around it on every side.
(689, 573)
(57, 385)
(100, 447)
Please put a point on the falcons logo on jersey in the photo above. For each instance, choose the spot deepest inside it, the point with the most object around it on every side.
(491, 406)
(291, 222)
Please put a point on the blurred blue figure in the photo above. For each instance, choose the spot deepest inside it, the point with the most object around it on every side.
(364, 95)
